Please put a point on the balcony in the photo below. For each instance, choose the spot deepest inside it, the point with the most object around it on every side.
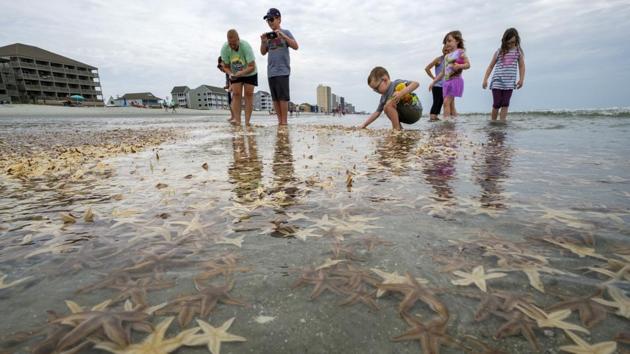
(24, 64)
(31, 87)
(30, 76)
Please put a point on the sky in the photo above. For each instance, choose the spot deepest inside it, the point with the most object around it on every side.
(576, 52)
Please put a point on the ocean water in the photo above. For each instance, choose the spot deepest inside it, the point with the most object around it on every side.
(542, 202)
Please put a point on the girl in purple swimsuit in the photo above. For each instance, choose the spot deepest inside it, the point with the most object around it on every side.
(454, 63)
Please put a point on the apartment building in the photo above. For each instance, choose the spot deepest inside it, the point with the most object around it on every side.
(34, 75)
(262, 101)
(180, 95)
(208, 97)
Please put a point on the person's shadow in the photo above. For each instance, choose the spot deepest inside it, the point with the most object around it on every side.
(246, 170)
(491, 167)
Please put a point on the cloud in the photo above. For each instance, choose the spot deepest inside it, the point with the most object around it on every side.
(571, 46)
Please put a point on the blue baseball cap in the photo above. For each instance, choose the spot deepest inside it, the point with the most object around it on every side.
(273, 12)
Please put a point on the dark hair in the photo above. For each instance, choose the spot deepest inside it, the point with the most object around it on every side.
(507, 35)
(457, 35)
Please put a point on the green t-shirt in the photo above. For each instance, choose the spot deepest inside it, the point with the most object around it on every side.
(238, 59)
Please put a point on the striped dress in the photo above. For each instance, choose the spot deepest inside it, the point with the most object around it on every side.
(505, 70)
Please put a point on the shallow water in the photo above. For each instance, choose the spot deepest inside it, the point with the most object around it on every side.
(466, 193)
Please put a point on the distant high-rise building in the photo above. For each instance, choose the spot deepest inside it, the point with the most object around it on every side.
(342, 104)
(31, 75)
(324, 99)
(334, 102)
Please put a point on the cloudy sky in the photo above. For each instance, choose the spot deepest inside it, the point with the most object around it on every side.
(576, 51)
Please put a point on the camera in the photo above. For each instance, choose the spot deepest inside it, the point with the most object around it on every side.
(271, 35)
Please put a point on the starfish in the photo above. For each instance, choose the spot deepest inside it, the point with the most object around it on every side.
(360, 295)
(297, 216)
(192, 225)
(532, 272)
(620, 301)
(89, 322)
(452, 263)
(154, 343)
(591, 312)
(431, 335)
(54, 247)
(4, 285)
(128, 221)
(339, 251)
(565, 218)
(236, 241)
(372, 242)
(213, 336)
(324, 223)
(329, 263)
(478, 277)
(224, 265)
(414, 292)
(136, 290)
(203, 302)
(162, 231)
(554, 319)
(393, 278)
(581, 251)
(517, 323)
(322, 283)
(582, 347)
(354, 226)
(300, 234)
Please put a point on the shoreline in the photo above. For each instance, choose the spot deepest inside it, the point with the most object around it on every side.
(32, 109)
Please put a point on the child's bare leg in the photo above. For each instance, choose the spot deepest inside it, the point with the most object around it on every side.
(503, 113)
(453, 110)
(392, 114)
(447, 107)
(494, 114)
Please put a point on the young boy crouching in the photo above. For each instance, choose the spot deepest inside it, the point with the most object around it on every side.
(398, 101)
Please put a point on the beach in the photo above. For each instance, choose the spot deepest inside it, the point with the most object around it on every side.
(316, 237)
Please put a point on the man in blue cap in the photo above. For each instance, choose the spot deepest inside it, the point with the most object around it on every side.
(277, 44)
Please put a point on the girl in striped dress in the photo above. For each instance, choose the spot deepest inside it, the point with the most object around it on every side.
(506, 59)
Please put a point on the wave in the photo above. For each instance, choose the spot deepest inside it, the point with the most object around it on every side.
(613, 112)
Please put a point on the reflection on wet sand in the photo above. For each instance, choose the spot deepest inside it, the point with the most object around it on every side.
(246, 170)
(283, 170)
(438, 164)
(491, 168)
(393, 151)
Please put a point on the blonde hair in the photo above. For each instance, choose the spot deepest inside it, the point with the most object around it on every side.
(232, 33)
(377, 73)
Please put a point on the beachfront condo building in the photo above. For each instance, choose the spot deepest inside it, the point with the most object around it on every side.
(262, 101)
(324, 98)
(208, 97)
(36, 75)
(180, 95)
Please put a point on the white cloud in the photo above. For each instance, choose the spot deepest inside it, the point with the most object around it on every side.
(155, 45)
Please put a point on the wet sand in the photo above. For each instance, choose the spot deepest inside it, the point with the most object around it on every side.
(436, 203)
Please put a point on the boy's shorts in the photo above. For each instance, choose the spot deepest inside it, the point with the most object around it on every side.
(408, 113)
(279, 87)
